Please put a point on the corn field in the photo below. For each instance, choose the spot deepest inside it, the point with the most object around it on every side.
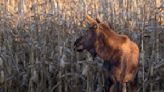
(37, 36)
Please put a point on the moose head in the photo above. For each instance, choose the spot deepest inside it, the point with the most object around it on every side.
(87, 41)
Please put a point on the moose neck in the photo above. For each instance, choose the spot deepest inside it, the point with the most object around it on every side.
(107, 42)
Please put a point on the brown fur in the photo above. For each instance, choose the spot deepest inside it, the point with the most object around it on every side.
(117, 48)
(120, 53)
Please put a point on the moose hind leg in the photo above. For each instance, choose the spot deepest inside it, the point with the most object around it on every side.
(124, 87)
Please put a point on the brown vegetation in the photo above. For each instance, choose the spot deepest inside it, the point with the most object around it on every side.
(36, 43)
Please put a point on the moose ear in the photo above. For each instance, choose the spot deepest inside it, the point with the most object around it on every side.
(90, 20)
(98, 20)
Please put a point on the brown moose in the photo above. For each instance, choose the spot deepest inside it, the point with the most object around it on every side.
(119, 53)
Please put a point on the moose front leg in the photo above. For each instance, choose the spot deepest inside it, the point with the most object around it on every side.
(108, 82)
(107, 85)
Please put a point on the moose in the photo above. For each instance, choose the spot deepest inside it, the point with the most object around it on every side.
(120, 54)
